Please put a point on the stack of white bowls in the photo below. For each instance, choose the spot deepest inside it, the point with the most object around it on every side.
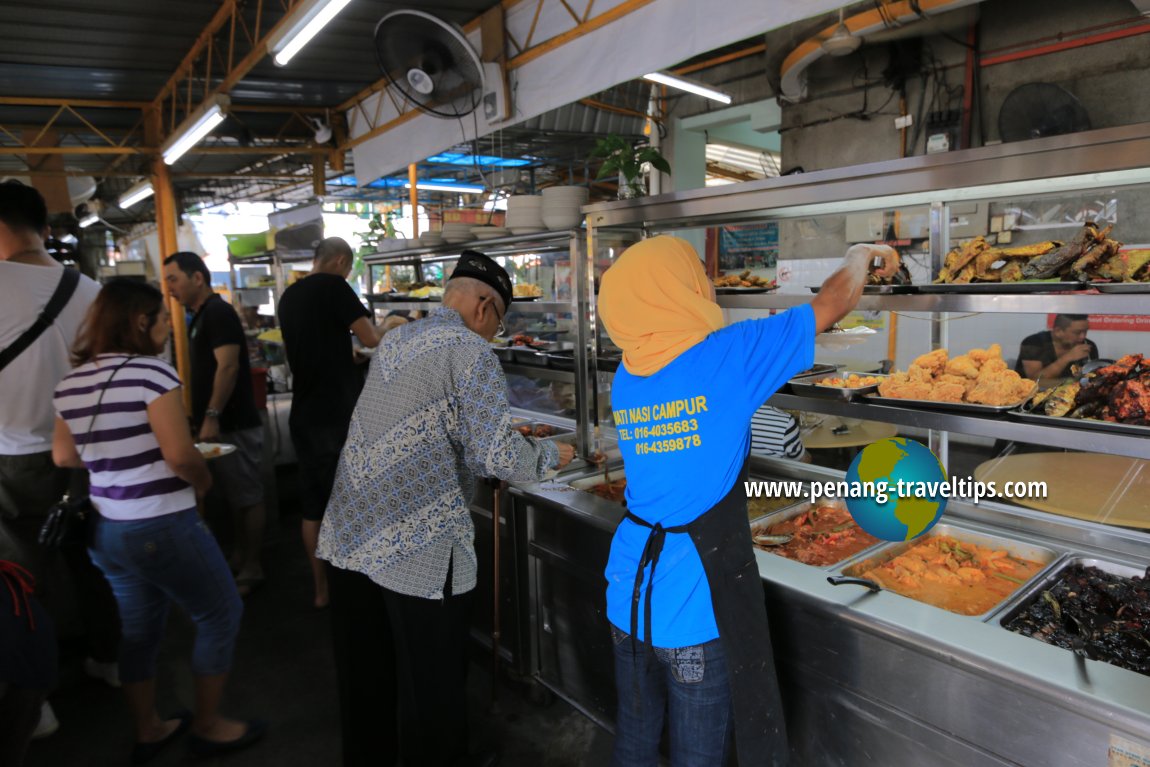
(561, 206)
(456, 233)
(525, 214)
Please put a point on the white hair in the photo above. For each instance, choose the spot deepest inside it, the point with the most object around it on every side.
(470, 286)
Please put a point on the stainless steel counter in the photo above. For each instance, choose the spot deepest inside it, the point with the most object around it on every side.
(868, 678)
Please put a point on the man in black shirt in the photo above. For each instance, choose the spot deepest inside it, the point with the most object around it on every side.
(318, 316)
(223, 406)
(1050, 354)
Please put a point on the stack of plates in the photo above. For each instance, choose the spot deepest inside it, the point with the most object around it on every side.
(488, 232)
(455, 233)
(561, 206)
(525, 214)
(431, 239)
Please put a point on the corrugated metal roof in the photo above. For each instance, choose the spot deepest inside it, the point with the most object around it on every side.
(126, 50)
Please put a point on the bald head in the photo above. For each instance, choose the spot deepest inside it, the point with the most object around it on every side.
(333, 256)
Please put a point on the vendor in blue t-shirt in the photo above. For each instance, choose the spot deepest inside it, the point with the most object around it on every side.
(681, 560)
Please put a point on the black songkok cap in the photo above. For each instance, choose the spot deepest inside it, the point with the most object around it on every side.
(476, 265)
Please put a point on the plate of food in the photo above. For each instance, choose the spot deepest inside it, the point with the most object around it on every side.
(1110, 398)
(744, 282)
(211, 450)
(526, 291)
(846, 385)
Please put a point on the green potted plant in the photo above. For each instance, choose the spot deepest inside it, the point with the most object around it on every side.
(626, 160)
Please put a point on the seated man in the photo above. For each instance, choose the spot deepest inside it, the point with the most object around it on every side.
(1050, 354)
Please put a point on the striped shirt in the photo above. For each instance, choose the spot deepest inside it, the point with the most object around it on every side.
(129, 478)
(775, 433)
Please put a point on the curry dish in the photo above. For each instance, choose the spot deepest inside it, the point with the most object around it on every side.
(958, 576)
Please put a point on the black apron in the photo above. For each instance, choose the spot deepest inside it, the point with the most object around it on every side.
(723, 540)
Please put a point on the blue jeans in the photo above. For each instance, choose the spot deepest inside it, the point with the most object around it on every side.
(686, 686)
(153, 562)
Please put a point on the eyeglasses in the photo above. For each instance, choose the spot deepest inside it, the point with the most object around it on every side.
(500, 330)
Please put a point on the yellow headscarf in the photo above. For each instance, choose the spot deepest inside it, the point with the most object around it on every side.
(655, 302)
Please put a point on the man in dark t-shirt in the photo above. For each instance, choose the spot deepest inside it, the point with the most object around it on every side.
(223, 406)
(318, 316)
(1050, 354)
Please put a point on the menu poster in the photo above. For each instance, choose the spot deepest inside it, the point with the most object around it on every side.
(747, 246)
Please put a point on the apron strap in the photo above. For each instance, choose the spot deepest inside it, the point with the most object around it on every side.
(652, 549)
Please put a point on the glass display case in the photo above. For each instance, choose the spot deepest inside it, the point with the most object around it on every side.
(874, 663)
(545, 348)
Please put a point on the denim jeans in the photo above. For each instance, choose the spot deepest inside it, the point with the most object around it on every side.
(685, 686)
(153, 562)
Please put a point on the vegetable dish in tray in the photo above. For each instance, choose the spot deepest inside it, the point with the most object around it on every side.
(958, 576)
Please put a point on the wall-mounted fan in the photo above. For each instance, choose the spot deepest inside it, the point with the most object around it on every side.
(1035, 110)
(433, 65)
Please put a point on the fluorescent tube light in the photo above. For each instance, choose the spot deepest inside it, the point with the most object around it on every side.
(137, 193)
(194, 129)
(308, 18)
(88, 220)
(437, 186)
(688, 85)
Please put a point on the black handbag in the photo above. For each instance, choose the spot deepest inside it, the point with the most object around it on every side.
(67, 523)
(68, 520)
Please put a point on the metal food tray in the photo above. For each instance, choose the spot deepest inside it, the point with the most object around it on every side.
(562, 359)
(810, 387)
(396, 297)
(586, 483)
(818, 369)
(1023, 598)
(1089, 424)
(966, 407)
(524, 355)
(755, 521)
(855, 566)
(782, 515)
(503, 352)
(878, 290)
(1121, 287)
(1002, 288)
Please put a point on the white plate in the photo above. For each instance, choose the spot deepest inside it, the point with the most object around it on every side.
(211, 450)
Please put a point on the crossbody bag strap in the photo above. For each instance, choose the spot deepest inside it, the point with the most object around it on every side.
(100, 402)
(60, 297)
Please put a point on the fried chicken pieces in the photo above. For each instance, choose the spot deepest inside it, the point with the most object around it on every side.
(979, 376)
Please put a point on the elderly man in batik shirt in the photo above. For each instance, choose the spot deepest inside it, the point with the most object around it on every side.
(432, 417)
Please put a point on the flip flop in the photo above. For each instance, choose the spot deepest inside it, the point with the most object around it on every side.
(142, 753)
